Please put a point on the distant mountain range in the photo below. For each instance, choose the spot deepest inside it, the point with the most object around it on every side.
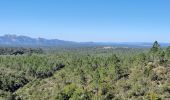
(14, 40)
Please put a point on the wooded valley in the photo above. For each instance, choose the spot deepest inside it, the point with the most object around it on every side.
(93, 73)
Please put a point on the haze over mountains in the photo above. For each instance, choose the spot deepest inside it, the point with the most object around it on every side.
(14, 40)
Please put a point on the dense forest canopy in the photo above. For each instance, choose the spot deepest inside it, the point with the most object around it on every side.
(85, 73)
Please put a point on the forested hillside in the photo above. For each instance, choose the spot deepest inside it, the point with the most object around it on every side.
(86, 74)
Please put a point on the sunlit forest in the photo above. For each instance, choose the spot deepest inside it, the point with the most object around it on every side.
(92, 73)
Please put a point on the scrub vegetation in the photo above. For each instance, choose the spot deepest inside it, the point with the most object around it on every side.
(93, 73)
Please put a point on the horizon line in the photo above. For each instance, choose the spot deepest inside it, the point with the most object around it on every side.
(39, 37)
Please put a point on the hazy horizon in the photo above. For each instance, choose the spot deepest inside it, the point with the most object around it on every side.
(83, 41)
(88, 20)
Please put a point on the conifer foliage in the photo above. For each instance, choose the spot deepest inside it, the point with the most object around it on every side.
(86, 74)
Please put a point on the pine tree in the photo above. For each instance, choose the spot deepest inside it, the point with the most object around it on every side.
(155, 51)
(155, 48)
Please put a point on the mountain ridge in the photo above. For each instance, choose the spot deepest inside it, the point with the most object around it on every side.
(28, 41)
(21, 40)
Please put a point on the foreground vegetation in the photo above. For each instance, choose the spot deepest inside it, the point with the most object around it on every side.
(87, 74)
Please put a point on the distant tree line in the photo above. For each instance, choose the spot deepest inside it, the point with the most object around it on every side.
(19, 51)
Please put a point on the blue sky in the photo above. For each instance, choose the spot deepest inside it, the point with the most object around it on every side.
(88, 20)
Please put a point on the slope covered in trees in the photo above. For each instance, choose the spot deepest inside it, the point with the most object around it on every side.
(87, 74)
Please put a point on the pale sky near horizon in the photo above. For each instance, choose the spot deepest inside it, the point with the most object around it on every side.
(88, 20)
